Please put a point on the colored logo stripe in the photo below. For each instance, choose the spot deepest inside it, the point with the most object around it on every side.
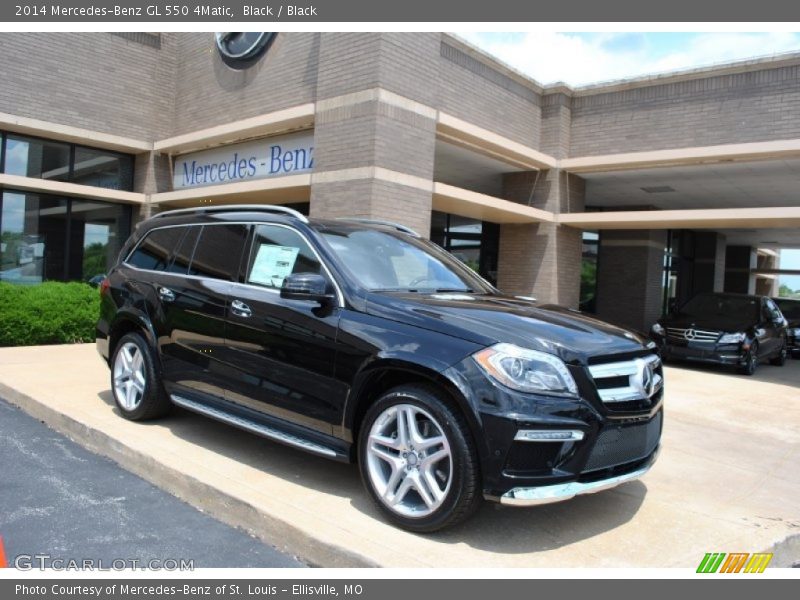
(3, 561)
(758, 562)
(710, 562)
(735, 562)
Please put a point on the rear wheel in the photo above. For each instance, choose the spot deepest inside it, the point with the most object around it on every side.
(417, 459)
(135, 384)
(751, 361)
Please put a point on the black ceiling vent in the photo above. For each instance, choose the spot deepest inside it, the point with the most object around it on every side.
(657, 189)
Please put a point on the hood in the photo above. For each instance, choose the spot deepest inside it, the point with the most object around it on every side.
(726, 323)
(489, 319)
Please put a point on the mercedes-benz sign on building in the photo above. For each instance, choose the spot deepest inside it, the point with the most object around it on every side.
(615, 197)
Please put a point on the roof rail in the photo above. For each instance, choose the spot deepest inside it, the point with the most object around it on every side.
(236, 207)
(391, 224)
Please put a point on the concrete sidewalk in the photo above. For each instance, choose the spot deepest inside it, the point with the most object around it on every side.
(726, 480)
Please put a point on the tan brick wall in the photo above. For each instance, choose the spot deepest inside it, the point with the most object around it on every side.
(96, 81)
(542, 260)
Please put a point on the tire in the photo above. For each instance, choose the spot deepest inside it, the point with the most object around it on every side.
(750, 367)
(780, 359)
(400, 463)
(135, 384)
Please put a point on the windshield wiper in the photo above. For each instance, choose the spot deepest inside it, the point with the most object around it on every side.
(455, 290)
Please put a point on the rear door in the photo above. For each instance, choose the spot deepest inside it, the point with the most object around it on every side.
(193, 293)
(281, 353)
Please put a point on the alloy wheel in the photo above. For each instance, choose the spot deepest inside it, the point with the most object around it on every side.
(129, 376)
(409, 461)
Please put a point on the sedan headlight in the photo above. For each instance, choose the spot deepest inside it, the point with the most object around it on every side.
(657, 329)
(732, 338)
(795, 332)
(526, 370)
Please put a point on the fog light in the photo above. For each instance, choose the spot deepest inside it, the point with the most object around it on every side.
(548, 435)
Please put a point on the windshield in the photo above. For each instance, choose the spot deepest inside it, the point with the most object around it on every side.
(789, 308)
(385, 261)
(707, 305)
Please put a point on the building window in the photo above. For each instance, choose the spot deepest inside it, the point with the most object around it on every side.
(58, 161)
(48, 237)
(31, 157)
(588, 301)
(475, 243)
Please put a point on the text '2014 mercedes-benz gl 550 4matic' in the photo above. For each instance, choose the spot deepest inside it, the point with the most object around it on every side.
(360, 341)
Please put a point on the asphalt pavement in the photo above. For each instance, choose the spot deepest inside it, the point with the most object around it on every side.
(59, 499)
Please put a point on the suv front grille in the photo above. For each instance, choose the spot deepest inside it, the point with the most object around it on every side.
(618, 445)
(692, 335)
(629, 380)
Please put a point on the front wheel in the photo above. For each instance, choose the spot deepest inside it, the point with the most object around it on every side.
(418, 460)
(751, 361)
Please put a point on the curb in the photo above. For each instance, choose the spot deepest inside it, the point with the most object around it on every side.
(206, 498)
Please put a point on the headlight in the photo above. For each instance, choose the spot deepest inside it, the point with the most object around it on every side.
(732, 338)
(526, 370)
(657, 329)
(795, 332)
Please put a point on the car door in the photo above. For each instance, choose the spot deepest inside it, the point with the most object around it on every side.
(281, 352)
(194, 292)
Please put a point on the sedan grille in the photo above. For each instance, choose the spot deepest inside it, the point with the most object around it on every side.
(692, 335)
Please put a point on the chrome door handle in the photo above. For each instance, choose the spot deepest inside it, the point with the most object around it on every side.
(240, 309)
(166, 294)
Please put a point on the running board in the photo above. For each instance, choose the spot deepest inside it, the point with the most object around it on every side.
(257, 428)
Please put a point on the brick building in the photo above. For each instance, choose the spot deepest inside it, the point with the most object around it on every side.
(616, 197)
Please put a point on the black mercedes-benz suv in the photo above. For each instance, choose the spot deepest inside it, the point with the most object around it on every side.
(724, 329)
(360, 341)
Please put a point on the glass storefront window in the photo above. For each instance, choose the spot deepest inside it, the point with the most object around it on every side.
(590, 242)
(59, 161)
(102, 169)
(31, 157)
(97, 232)
(475, 243)
(32, 237)
(46, 237)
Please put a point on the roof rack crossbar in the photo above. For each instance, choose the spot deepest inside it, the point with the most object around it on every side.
(391, 224)
(271, 208)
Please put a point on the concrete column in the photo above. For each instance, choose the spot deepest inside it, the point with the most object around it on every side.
(629, 277)
(709, 263)
(542, 260)
(374, 158)
(739, 260)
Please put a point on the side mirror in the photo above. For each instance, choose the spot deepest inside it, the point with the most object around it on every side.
(306, 286)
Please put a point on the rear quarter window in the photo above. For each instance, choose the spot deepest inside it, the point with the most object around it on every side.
(155, 250)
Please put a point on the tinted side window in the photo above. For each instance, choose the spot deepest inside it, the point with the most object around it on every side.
(219, 251)
(277, 252)
(154, 251)
(183, 255)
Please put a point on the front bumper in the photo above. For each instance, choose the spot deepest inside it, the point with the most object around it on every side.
(549, 494)
(717, 354)
(539, 449)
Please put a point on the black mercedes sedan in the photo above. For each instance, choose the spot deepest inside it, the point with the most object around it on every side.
(739, 330)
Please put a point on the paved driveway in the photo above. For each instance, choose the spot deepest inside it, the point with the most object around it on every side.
(726, 481)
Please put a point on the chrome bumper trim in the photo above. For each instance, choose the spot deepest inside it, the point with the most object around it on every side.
(549, 494)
